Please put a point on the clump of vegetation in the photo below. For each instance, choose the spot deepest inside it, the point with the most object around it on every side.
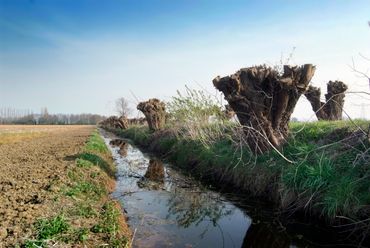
(48, 229)
(84, 187)
(193, 106)
(83, 163)
(109, 225)
(196, 115)
(96, 144)
(84, 209)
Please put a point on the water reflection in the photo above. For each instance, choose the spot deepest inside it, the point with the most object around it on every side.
(154, 176)
(263, 235)
(155, 171)
(123, 146)
(193, 207)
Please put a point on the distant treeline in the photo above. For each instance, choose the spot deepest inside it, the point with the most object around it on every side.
(16, 116)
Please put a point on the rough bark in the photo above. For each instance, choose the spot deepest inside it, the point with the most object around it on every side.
(333, 107)
(115, 122)
(264, 100)
(123, 122)
(155, 113)
(136, 121)
(229, 113)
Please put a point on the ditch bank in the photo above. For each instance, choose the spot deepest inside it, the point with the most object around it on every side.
(314, 193)
(83, 213)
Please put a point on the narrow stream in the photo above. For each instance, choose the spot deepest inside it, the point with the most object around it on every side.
(167, 209)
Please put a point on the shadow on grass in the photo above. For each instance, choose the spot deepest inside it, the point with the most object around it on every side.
(71, 157)
(96, 160)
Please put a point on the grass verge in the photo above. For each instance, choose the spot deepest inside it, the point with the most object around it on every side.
(87, 216)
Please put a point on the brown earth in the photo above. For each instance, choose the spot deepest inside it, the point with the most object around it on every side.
(34, 162)
(30, 166)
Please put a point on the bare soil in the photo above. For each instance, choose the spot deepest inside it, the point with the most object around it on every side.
(33, 164)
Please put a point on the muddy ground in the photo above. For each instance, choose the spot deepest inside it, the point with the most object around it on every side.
(33, 162)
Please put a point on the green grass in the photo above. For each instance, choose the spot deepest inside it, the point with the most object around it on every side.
(82, 234)
(87, 159)
(84, 209)
(75, 175)
(86, 188)
(325, 179)
(313, 131)
(83, 163)
(109, 225)
(312, 174)
(140, 134)
(48, 229)
(96, 143)
(34, 244)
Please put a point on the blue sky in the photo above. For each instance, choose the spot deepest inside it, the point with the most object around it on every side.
(79, 56)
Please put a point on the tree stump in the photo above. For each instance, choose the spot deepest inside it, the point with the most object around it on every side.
(155, 113)
(123, 122)
(333, 107)
(115, 122)
(264, 100)
(137, 121)
(228, 112)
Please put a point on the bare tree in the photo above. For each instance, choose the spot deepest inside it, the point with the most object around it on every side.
(333, 107)
(122, 107)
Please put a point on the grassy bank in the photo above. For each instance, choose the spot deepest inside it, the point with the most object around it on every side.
(85, 216)
(327, 176)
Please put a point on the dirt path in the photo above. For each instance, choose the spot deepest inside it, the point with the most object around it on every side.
(33, 162)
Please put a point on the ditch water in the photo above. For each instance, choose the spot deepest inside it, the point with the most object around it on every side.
(165, 208)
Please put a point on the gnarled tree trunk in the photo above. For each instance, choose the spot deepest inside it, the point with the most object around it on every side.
(264, 100)
(123, 122)
(333, 107)
(136, 121)
(155, 113)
